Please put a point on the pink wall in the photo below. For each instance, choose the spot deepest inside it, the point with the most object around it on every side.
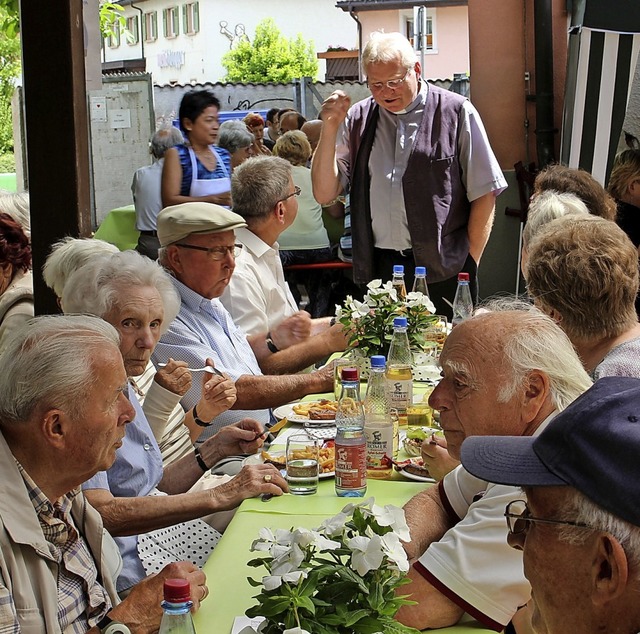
(452, 38)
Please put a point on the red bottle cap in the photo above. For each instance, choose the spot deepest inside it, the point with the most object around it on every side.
(177, 590)
(463, 277)
(350, 374)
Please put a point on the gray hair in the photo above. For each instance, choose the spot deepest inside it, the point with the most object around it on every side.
(548, 206)
(68, 255)
(537, 343)
(164, 139)
(17, 206)
(258, 185)
(581, 509)
(383, 48)
(234, 135)
(44, 364)
(98, 287)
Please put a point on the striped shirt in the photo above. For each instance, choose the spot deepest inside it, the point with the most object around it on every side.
(165, 415)
(82, 601)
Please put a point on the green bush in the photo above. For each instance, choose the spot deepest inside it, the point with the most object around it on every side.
(7, 163)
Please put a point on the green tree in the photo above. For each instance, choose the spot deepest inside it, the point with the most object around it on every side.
(9, 71)
(271, 57)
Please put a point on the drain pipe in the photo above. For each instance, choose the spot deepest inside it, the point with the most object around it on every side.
(139, 10)
(545, 130)
(354, 15)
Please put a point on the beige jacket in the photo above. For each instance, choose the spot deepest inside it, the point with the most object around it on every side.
(27, 569)
(16, 306)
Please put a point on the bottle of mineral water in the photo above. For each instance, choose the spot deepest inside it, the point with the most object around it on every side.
(176, 618)
(378, 425)
(399, 376)
(398, 281)
(462, 303)
(420, 281)
(351, 446)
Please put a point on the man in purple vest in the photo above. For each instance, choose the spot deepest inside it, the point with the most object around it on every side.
(421, 173)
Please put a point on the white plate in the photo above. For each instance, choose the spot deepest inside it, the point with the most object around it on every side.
(286, 411)
(413, 476)
(256, 458)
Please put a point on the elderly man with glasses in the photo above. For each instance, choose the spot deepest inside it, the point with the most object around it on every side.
(420, 170)
(503, 373)
(199, 250)
(579, 528)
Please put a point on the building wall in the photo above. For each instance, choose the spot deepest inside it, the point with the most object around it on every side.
(451, 37)
(197, 58)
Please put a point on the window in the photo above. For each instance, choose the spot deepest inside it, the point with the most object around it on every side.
(150, 27)
(113, 39)
(429, 28)
(170, 22)
(133, 29)
(190, 18)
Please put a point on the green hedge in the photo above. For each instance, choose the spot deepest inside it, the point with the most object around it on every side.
(7, 163)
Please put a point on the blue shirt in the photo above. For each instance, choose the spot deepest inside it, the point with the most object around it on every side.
(136, 472)
(203, 172)
(204, 328)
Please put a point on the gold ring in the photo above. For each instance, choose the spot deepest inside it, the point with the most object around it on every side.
(205, 593)
(267, 478)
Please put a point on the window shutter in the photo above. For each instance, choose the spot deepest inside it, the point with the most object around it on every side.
(185, 20)
(154, 25)
(144, 26)
(196, 17)
(176, 21)
(164, 21)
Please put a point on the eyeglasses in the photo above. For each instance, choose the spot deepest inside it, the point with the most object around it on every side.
(216, 253)
(517, 514)
(296, 192)
(391, 84)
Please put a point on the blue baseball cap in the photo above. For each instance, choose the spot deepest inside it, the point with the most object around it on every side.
(593, 446)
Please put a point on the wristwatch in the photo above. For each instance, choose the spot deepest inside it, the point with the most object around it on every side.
(108, 626)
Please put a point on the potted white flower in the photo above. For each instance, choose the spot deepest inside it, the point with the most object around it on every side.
(339, 578)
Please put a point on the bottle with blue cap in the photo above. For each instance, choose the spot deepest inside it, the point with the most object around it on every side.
(399, 371)
(398, 281)
(378, 423)
(420, 281)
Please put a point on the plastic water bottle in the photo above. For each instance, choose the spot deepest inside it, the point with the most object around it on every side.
(399, 376)
(420, 281)
(351, 446)
(462, 303)
(177, 608)
(378, 426)
(398, 281)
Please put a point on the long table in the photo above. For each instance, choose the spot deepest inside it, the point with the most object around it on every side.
(226, 569)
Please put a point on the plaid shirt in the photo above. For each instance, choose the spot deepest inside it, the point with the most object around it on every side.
(82, 601)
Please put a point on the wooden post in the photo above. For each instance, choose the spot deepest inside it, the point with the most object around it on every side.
(56, 130)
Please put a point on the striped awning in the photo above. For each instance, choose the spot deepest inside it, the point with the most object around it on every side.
(600, 73)
(601, 65)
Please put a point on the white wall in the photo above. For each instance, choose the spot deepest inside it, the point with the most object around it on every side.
(317, 20)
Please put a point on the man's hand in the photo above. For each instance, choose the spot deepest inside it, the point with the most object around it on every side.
(335, 107)
(245, 436)
(253, 480)
(325, 374)
(141, 609)
(292, 330)
(436, 457)
(174, 377)
(218, 394)
(337, 337)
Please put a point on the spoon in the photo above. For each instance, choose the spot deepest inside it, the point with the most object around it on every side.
(207, 368)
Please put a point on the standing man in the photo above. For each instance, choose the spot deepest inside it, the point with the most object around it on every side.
(271, 133)
(146, 191)
(420, 171)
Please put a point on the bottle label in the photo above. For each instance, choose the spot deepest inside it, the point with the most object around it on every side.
(379, 446)
(351, 466)
(400, 393)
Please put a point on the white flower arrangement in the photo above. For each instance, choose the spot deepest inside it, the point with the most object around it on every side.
(370, 322)
(339, 578)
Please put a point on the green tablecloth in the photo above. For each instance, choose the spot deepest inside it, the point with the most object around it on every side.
(119, 228)
(226, 569)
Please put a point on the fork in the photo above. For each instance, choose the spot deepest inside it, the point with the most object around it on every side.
(207, 368)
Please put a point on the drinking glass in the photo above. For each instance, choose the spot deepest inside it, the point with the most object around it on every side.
(303, 459)
(436, 332)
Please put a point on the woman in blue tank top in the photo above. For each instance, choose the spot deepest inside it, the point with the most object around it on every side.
(197, 171)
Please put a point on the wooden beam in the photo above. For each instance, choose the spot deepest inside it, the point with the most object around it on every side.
(56, 130)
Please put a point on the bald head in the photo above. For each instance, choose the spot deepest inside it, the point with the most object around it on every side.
(312, 129)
